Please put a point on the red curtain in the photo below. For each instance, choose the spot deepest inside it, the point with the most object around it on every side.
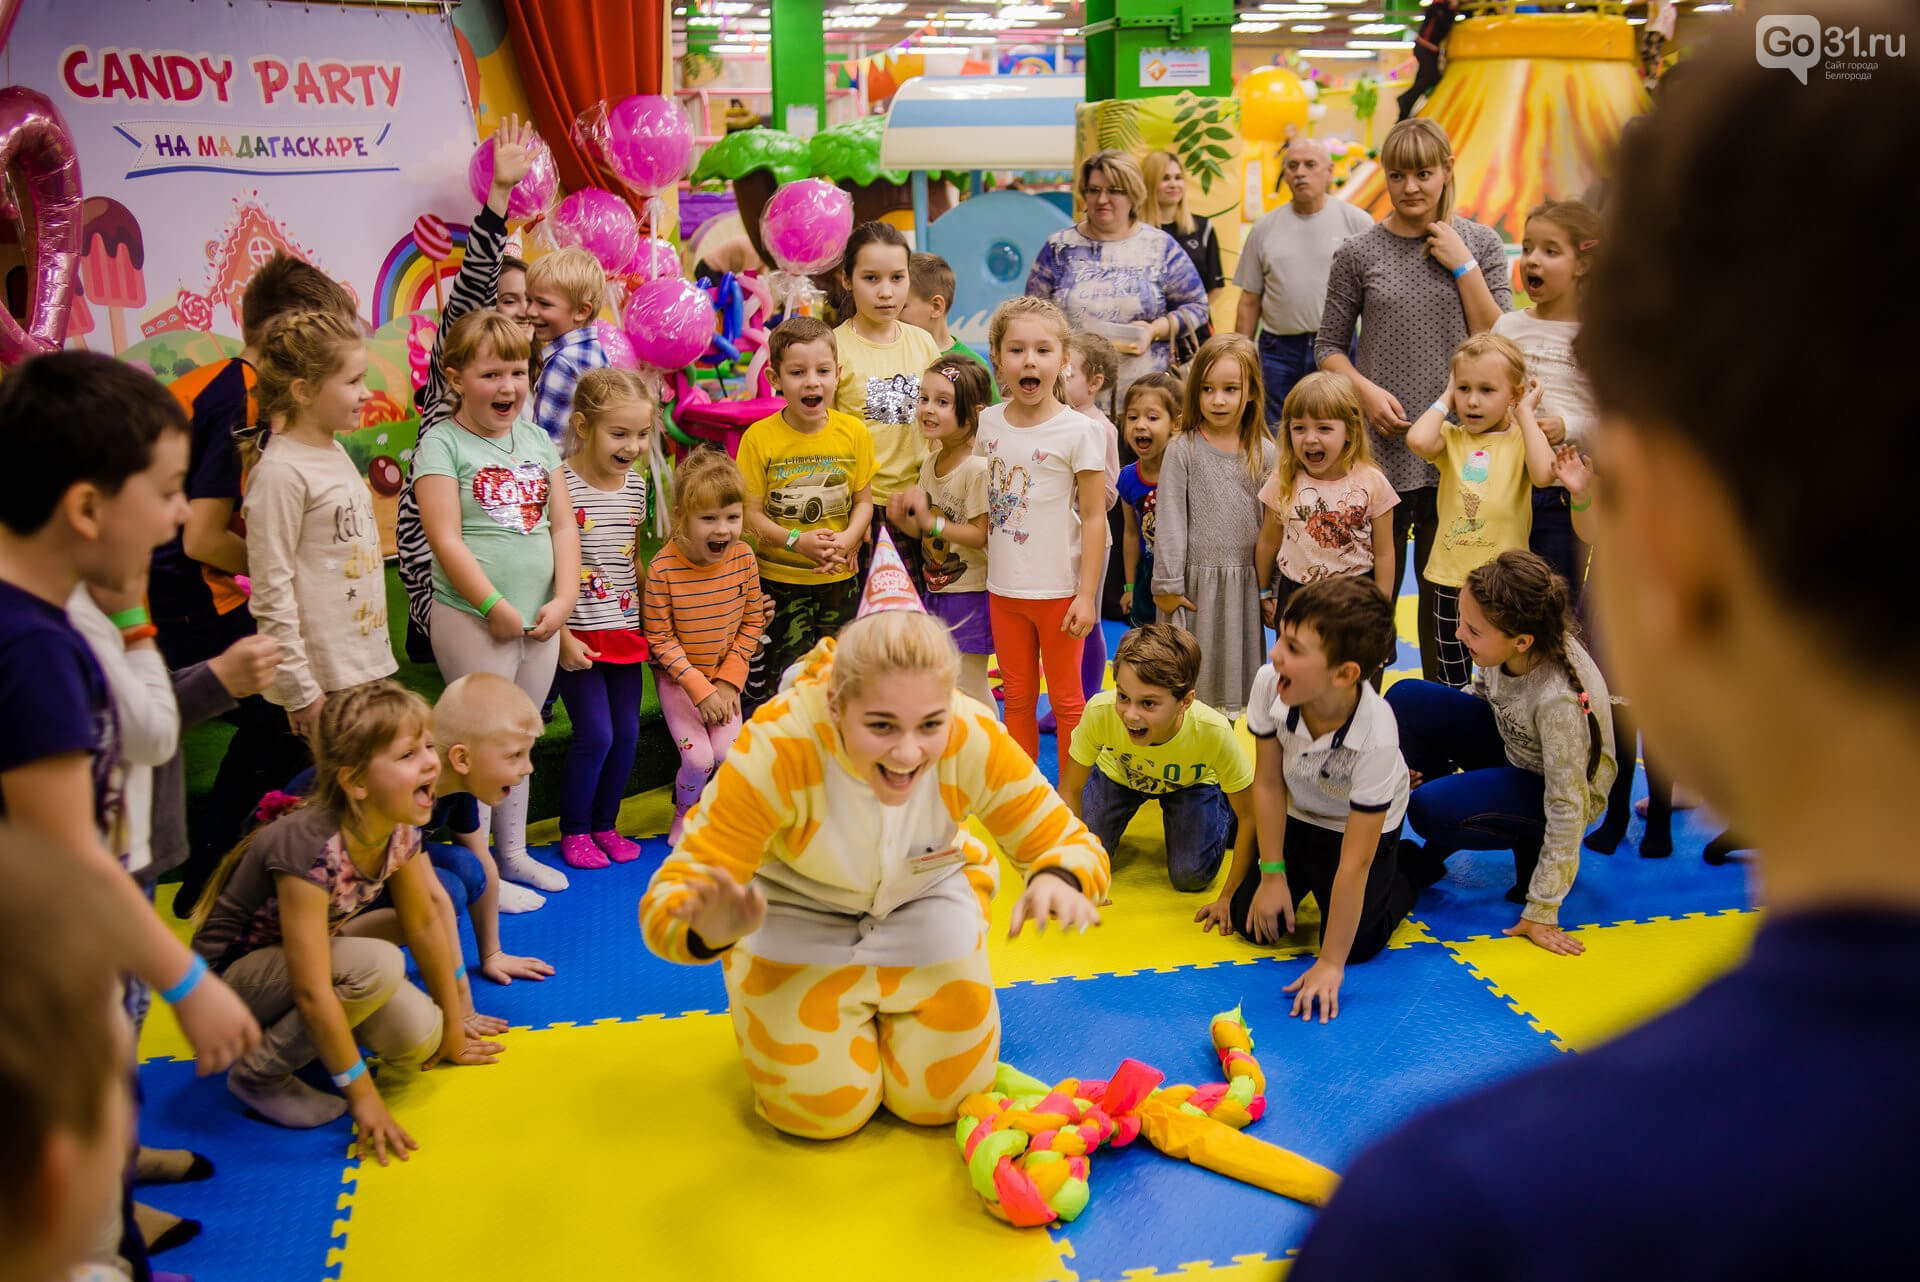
(574, 53)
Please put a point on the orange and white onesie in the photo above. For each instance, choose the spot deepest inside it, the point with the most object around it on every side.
(868, 981)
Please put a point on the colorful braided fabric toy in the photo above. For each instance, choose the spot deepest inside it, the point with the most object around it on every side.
(1028, 1145)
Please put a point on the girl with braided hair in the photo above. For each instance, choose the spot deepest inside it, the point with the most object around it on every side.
(1531, 740)
(319, 580)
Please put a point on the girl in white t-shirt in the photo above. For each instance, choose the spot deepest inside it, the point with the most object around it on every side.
(1043, 561)
(1329, 510)
(1561, 239)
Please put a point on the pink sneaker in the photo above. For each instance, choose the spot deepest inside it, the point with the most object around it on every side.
(618, 848)
(580, 851)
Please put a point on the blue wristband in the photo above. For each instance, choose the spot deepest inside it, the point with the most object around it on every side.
(188, 982)
(352, 1075)
(1468, 266)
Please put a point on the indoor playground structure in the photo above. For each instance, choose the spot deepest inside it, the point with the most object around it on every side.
(616, 1137)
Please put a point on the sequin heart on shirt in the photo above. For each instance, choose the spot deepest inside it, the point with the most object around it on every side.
(515, 497)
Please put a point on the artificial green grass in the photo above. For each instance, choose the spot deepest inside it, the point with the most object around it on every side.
(654, 764)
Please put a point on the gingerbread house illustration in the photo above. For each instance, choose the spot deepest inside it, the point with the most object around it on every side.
(251, 238)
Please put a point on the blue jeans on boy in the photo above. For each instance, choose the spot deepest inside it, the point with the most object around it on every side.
(1200, 824)
(1285, 359)
(603, 702)
(1471, 797)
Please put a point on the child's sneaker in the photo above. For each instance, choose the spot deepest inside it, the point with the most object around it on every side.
(617, 848)
(581, 851)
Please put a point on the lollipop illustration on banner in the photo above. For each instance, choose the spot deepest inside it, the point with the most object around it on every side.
(805, 228)
(646, 141)
(533, 194)
(600, 223)
(42, 171)
(435, 241)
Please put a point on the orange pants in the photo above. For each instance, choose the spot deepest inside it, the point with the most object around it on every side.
(1027, 636)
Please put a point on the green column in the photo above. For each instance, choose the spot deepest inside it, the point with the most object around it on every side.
(1147, 48)
(799, 49)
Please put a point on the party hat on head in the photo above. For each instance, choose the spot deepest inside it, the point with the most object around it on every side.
(888, 585)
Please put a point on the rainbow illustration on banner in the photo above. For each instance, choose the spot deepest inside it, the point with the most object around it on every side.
(405, 283)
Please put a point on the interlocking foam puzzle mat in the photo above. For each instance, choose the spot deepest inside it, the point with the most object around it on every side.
(616, 1137)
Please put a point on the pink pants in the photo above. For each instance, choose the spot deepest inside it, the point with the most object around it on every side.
(702, 747)
(1027, 637)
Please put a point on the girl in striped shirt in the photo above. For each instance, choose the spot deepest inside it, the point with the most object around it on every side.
(603, 653)
(703, 620)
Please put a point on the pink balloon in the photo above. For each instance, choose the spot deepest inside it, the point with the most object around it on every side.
(532, 195)
(599, 222)
(614, 343)
(37, 154)
(654, 259)
(805, 225)
(649, 142)
(670, 323)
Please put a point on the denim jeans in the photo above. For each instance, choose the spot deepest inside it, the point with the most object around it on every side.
(1285, 359)
(1199, 820)
(1471, 797)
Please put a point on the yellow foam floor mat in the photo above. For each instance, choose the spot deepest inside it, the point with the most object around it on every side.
(630, 1151)
(1628, 974)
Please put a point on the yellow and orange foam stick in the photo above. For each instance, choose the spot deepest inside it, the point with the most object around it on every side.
(1028, 1145)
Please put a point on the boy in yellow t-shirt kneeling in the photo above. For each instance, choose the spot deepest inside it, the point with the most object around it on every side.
(1151, 741)
(809, 473)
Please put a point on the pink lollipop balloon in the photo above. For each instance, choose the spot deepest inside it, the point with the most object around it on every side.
(614, 343)
(805, 225)
(599, 222)
(670, 323)
(649, 142)
(532, 195)
(655, 259)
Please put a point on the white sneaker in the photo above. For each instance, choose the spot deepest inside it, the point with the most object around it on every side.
(515, 898)
(528, 871)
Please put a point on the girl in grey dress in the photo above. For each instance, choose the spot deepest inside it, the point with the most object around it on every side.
(1208, 515)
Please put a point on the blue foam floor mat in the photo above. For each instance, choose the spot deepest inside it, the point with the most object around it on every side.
(1415, 1028)
(269, 1211)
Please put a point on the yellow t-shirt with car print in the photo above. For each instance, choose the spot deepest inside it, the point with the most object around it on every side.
(804, 481)
(1203, 750)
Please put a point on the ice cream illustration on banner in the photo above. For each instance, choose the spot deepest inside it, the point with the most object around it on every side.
(888, 585)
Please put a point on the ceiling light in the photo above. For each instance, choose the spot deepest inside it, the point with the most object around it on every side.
(699, 21)
(850, 22)
(729, 8)
(735, 48)
(1712, 8)
(1365, 17)
(1307, 28)
(1027, 12)
(1380, 29)
(1379, 44)
(1338, 53)
(1245, 28)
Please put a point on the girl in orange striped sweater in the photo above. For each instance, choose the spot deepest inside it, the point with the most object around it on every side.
(703, 621)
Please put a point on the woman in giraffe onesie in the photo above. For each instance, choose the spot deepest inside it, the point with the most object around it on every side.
(829, 867)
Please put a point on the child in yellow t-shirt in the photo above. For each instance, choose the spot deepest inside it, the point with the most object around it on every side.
(881, 357)
(809, 472)
(1489, 463)
(1151, 741)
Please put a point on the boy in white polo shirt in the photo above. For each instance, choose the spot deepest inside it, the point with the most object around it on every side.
(1329, 790)
(1153, 742)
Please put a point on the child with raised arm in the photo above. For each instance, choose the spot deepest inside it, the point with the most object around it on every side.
(1489, 463)
(319, 579)
(276, 920)
(1147, 739)
(830, 856)
(809, 475)
(506, 552)
(703, 621)
(1329, 792)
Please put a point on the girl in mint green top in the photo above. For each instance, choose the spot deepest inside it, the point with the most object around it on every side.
(495, 509)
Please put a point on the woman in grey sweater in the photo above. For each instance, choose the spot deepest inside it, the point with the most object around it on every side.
(1418, 285)
(1532, 741)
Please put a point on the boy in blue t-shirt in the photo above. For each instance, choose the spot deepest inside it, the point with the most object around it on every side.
(1757, 1131)
(1147, 739)
(99, 451)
